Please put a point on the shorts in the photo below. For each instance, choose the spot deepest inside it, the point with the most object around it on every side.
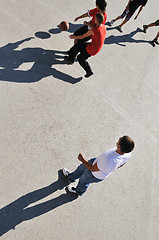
(80, 32)
(127, 15)
(157, 22)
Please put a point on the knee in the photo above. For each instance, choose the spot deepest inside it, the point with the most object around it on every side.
(79, 58)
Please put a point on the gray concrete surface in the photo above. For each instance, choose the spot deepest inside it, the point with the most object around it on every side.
(48, 114)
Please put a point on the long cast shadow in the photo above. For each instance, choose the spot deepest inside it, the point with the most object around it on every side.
(120, 40)
(43, 61)
(18, 212)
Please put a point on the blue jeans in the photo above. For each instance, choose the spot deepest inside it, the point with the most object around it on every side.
(85, 178)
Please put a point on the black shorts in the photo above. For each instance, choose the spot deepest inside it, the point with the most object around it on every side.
(127, 15)
(82, 31)
(157, 22)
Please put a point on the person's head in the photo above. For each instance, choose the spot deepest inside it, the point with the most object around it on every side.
(101, 5)
(125, 144)
(99, 19)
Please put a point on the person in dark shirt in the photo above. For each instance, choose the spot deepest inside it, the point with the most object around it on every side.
(130, 9)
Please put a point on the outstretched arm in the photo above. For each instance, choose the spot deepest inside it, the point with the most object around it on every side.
(82, 16)
(89, 166)
(87, 34)
(140, 9)
(122, 165)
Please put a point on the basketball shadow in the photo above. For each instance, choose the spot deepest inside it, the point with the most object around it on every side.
(12, 63)
(122, 39)
(18, 211)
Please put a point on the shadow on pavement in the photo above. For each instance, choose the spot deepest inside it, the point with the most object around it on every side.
(18, 211)
(42, 64)
(127, 38)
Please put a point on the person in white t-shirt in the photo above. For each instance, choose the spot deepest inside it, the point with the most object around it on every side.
(97, 169)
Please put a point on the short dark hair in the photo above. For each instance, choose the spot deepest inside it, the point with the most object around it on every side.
(101, 4)
(126, 144)
(100, 18)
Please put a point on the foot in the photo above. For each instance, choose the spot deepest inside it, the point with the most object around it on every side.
(156, 41)
(145, 28)
(152, 43)
(65, 172)
(119, 28)
(88, 74)
(72, 189)
(70, 61)
(111, 23)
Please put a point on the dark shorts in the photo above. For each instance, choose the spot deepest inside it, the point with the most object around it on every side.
(157, 22)
(82, 31)
(127, 15)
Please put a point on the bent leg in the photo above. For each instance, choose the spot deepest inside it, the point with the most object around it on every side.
(82, 60)
(84, 181)
(79, 171)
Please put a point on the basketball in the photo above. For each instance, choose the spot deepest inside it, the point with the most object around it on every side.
(64, 26)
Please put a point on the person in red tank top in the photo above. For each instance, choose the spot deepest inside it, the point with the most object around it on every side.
(86, 50)
(100, 7)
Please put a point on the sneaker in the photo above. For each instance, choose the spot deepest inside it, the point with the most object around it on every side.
(156, 41)
(88, 74)
(152, 43)
(145, 28)
(72, 189)
(65, 172)
(111, 23)
(70, 61)
(119, 29)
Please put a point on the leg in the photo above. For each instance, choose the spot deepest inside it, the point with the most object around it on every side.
(84, 64)
(119, 17)
(79, 171)
(84, 181)
(73, 52)
(155, 40)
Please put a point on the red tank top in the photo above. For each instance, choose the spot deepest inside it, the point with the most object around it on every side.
(97, 40)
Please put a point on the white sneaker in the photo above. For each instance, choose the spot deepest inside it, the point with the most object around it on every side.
(65, 172)
(72, 189)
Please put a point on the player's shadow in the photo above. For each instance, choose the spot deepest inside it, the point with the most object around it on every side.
(122, 39)
(72, 28)
(19, 210)
(14, 64)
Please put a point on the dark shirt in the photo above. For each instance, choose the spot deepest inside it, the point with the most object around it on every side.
(134, 4)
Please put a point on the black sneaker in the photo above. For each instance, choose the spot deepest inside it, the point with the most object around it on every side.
(145, 28)
(70, 61)
(88, 74)
(156, 41)
(152, 43)
(119, 29)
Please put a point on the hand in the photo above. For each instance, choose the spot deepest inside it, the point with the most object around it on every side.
(71, 36)
(76, 19)
(86, 23)
(80, 157)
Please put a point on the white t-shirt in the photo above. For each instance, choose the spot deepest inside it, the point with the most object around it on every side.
(108, 162)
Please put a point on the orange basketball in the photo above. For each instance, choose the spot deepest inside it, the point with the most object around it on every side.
(64, 26)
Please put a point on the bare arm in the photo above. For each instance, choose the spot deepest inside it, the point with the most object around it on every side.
(87, 34)
(82, 16)
(140, 9)
(89, 166)
(122, 165)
